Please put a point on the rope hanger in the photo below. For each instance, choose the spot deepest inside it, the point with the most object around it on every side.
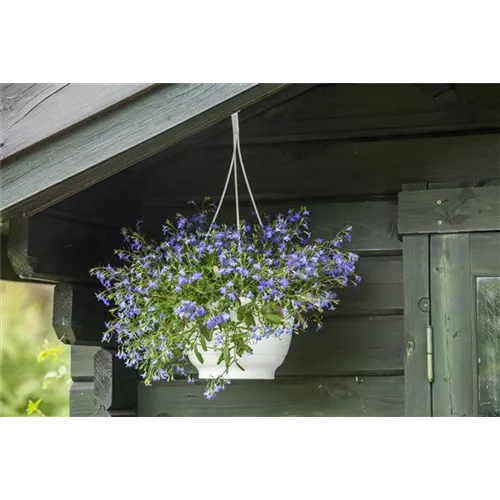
(234, 166)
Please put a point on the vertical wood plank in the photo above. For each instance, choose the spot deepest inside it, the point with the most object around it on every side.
(418, 391)
(418, 396)
(451, 285)
(81, 394)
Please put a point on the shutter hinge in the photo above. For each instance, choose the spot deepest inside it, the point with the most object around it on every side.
(430, 356)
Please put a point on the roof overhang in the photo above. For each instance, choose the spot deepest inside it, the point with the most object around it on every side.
(115, 139)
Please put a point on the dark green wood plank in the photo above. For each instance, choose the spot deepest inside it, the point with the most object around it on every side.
(416, 261)
(81, 399)
(381, 288)
(416, 320)
(285, 397)
(82, 362)
(78, 317)
(328, 168)
(449, 210)
(102, 146)
(348, 346)
(485, 253)
(374, 221)
(374, 110)
(451, 291)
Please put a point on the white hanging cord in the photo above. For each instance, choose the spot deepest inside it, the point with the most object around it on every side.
(233, 162)
(248, 185)
(234, 165)
(236, 140)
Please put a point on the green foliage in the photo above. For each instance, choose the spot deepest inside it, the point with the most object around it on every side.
(33, 363)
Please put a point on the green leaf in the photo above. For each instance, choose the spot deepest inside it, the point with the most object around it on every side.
(241, 314)
(33, 406)
(198, 355)
(221, 358)
(274, 319)
(227, 357)
(203, 342)
(239, 366)
(249, 319)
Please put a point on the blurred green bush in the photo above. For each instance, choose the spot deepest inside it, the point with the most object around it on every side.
(34, 365)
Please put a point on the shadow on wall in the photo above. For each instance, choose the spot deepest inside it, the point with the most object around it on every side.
(34, 365)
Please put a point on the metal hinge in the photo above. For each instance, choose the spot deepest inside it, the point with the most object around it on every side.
(430, 357)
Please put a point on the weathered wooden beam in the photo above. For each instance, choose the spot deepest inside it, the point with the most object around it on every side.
(284, 397)
(208, 136)
(115, 385)
(36, 111)
(449, 210)
(100, 147)
(416, 282)
(78, 317)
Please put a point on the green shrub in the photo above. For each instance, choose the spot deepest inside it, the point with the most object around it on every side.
(33, 363)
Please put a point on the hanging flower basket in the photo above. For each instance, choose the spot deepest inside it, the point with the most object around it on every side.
(224, 298)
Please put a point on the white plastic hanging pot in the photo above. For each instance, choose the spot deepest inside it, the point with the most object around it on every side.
(268, 355)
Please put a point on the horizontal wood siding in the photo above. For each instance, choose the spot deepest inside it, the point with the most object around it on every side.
(284, 397)
(328, 168)
(343, 111)
(354, 365)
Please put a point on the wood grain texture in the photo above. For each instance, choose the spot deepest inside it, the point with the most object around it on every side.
(115, 385)
(374, 221)
(113, 141)
(224, 128)
(449, 210)
(36, 111)
(371, 345)
(78, 317)
(81, 399)
(82, 362)
(451, 291)
(417, 317)
(328, 168)
(416, 320)
(285, 397)
(342, 111)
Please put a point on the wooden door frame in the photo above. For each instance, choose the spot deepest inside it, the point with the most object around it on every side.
(436, 223)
